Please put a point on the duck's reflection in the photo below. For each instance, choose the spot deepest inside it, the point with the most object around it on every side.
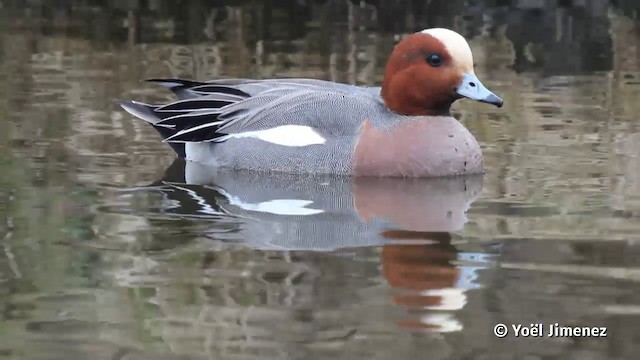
(410, 219)
(297, 212)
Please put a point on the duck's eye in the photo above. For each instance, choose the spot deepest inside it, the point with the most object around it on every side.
(434, 60)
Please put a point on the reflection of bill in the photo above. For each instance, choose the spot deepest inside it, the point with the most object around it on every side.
(435, 285)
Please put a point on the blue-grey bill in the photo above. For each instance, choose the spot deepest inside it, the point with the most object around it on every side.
(471, 88)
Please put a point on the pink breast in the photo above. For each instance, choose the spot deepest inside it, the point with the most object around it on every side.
(425, 146)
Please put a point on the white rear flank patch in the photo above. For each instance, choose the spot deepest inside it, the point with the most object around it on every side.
(200, 153)
(286, 135)
(456, 45)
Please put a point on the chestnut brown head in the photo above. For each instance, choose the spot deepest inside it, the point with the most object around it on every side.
(427, 71)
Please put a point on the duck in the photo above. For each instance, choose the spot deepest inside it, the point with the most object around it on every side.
(403, 128)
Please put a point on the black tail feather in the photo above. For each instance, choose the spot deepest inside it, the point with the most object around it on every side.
(179, 148)
(175, 83)
(179, 87)
(192, 104)
(209, 88)
(146, 113)
(194, 118)
(185, 121)
(188, 89)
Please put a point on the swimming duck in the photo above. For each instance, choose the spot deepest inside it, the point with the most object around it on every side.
(403, 128)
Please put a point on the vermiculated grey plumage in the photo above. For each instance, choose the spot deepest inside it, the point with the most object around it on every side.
(206, 112)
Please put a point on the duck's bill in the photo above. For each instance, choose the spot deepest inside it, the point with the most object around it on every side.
(472, 88)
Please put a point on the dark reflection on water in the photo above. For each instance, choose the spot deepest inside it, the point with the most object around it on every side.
(111, 250)
(292, 212)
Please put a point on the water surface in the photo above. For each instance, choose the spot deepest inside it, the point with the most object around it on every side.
(110, 249)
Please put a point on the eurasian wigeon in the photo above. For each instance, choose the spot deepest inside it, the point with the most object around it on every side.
(403, 128)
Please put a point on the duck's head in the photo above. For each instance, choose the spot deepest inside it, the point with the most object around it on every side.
(429, 70)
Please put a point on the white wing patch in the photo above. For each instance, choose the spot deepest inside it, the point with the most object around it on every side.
(286, 135)
(290, 207)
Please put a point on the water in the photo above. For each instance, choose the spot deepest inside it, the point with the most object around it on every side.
(101, 259)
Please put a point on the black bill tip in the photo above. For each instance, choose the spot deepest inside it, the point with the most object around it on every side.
(494, 100)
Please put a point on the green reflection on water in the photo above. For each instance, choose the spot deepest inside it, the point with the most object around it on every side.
(88, 271)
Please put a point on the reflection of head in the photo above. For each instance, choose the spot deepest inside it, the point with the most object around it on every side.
(420, 267)
(434, 283)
